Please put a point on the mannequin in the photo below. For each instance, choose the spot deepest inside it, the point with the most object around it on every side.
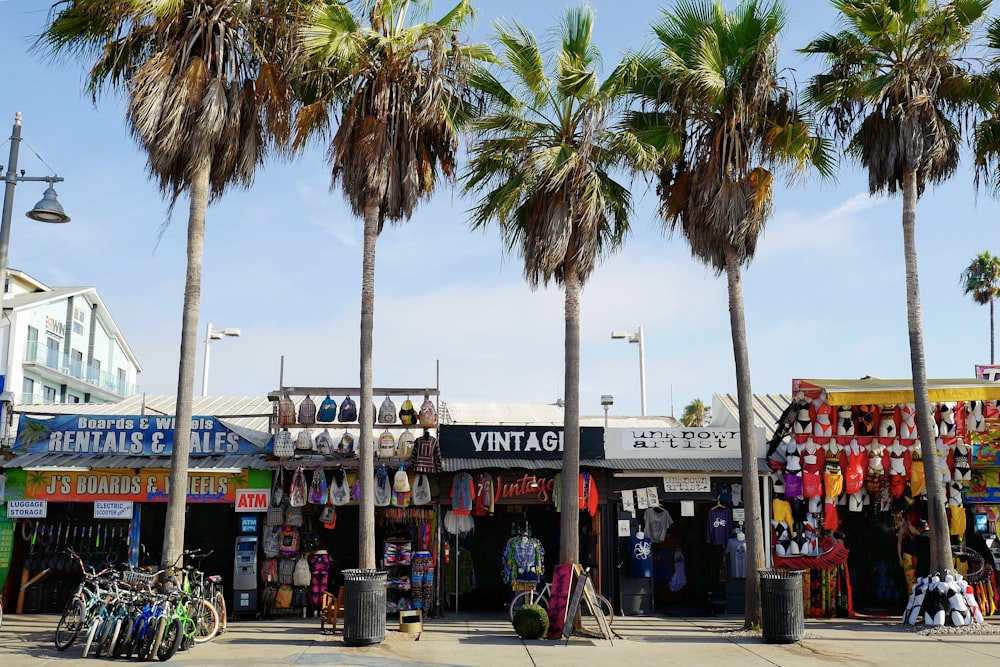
(803, 421)
(319, 566)
(823, 425)
(908, 421)
(845, 420)
(946, 419)
(887, 421)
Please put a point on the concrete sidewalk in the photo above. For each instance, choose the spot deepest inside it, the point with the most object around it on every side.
(474, 640)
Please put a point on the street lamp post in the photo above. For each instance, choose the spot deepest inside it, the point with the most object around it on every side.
(211, 333)
(47, 210)
(607, 400)
(636, 338)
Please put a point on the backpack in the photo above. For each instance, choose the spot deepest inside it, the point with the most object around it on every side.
(317, 488)
(383, 490)
(301, 576)
(324, 442)
(276, 513)
(270, 544)
(278, 489)
(404, 445)
(348, 411)
(387, 412)
(328, 517)
(428, 413)
(401, 481)
(304, 441)
(307, 411)
(300, 596)
(286, 570)
(289, 541)
(340, 491)
(293, 515)
(421, 490)
(283, 598)
(407, 415)
(286, 412)
(327, 411)
(386, 445)
(269, 570)
(268, 595)
(297, 494)
(346, 446)
(283, 447)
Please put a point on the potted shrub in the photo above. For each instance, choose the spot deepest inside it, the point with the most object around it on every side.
(531, 622)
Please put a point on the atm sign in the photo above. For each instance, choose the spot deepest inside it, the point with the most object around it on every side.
(252, 500)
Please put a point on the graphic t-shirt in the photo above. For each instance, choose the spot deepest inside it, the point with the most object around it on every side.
(736, 552)
(720, 521)
(640, 556)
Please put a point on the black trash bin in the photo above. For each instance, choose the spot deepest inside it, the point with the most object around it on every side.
(364, 607)
(782, 614)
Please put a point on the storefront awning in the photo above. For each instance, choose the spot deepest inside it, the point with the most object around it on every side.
(657, 466)
(463, 464)
(867, 391)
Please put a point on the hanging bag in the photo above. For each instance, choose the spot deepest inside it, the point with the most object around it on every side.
(421, 490)
(327, 412)
(387, 412)
(304, 441)
(301, 576)
(283, 447)
(340, 490)
(278, 489)
(324, 442)
(270, 543)
(289, 544)
(348, 411)
(383, 490)
(407, 415)
(317, 488)
(428, 413)
(283, 599)
(386, 445)
(307, 411)
(276, 513)
(404, 444)
(286, 411)
(328, 517)
(297, 494)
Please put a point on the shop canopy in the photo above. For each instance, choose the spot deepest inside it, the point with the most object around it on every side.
(875, 390)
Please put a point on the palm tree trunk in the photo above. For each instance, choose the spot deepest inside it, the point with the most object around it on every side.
(938, 519)
(992, 332)
(752, 527)
(569, 519)
(366, 445)
(173, 534)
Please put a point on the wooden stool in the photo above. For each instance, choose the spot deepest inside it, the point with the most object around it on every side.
(330, 608)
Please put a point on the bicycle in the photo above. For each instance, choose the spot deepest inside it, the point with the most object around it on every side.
(205, 590)
(82, 605)
(541, 598)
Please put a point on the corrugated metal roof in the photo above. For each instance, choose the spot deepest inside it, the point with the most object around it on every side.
(223, 407)
(767, 409)
(460, 464)
(537, 414)
(682, 465)
(58, 460)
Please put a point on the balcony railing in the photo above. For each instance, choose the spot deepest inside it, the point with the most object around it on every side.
(75, 368)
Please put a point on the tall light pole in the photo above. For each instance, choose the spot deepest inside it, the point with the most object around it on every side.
(636, 338)
(211, 333)
(607, 400)
(47, 210)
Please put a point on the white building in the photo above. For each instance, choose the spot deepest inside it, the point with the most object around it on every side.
(61, 345)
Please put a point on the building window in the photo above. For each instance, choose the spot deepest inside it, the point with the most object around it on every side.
(78, 321)
(28, 389)
(70, 398)
(122, 380)
(76, 363)
(50, 394)
(52, 352)
(31, 354)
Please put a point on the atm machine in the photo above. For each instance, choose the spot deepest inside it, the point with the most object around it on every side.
(245, 575)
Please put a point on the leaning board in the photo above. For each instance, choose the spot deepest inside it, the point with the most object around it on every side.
(573, 608)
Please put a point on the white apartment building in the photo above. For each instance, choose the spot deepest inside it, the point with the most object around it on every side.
(61, 345)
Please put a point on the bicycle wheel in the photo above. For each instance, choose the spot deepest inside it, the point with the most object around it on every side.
(124, 639)
(206, 620)
(92, 631)
(104, 634)
(171, 640)
(70, 624)
(220, 606)
(605, 606)
(521, 599)
(151, 639)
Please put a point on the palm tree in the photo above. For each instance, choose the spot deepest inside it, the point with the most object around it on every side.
(981, 279)
(720, 119)
(205, 94)
(399, 91)
(696, 413)
(890, 91)
(540, 161)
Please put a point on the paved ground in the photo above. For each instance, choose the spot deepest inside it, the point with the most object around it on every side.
(26, 641)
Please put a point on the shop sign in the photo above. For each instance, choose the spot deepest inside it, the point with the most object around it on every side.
(115, 435)
(248, 525)
(988, 372)
(113, 509)
(27, 509)
(6, 549)
(3, 487)
(515, 442)
(252, 500)
(673, 443)
(687, 484)
(525, 487)
(138, 485)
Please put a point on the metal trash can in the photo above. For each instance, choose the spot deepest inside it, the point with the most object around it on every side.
(364, 607)
(782, 613)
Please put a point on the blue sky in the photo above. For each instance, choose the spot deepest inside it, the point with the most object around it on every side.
(824, 298)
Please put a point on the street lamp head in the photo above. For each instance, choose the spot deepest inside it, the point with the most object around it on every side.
(48, 209)
(619, 333)
(607, 399)
(231, 331)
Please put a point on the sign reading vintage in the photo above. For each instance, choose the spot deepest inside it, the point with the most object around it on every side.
(145, 486)
(516, 442)
(115, 435)
(702, 442)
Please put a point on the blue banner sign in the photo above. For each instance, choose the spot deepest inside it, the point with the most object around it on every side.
(115, 435)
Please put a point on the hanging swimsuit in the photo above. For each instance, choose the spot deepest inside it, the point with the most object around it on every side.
(822, 427)
(812, 471)
(897, 470)
(854, 472)
(962, 469)
(887, 422)
(943, 450)
(866, 419)
(907, 422)
(946, 419)
(974, 416)
(875, 480)
(845, 421)
(802, 421)
(918, 481)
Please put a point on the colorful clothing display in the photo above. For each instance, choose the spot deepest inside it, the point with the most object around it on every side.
(523, 562)
(426, 454)
(483, 503)
(463, 493)
(587, 489)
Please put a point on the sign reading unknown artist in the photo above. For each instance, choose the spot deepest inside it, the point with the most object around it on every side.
(114, 435)
(672, 443)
